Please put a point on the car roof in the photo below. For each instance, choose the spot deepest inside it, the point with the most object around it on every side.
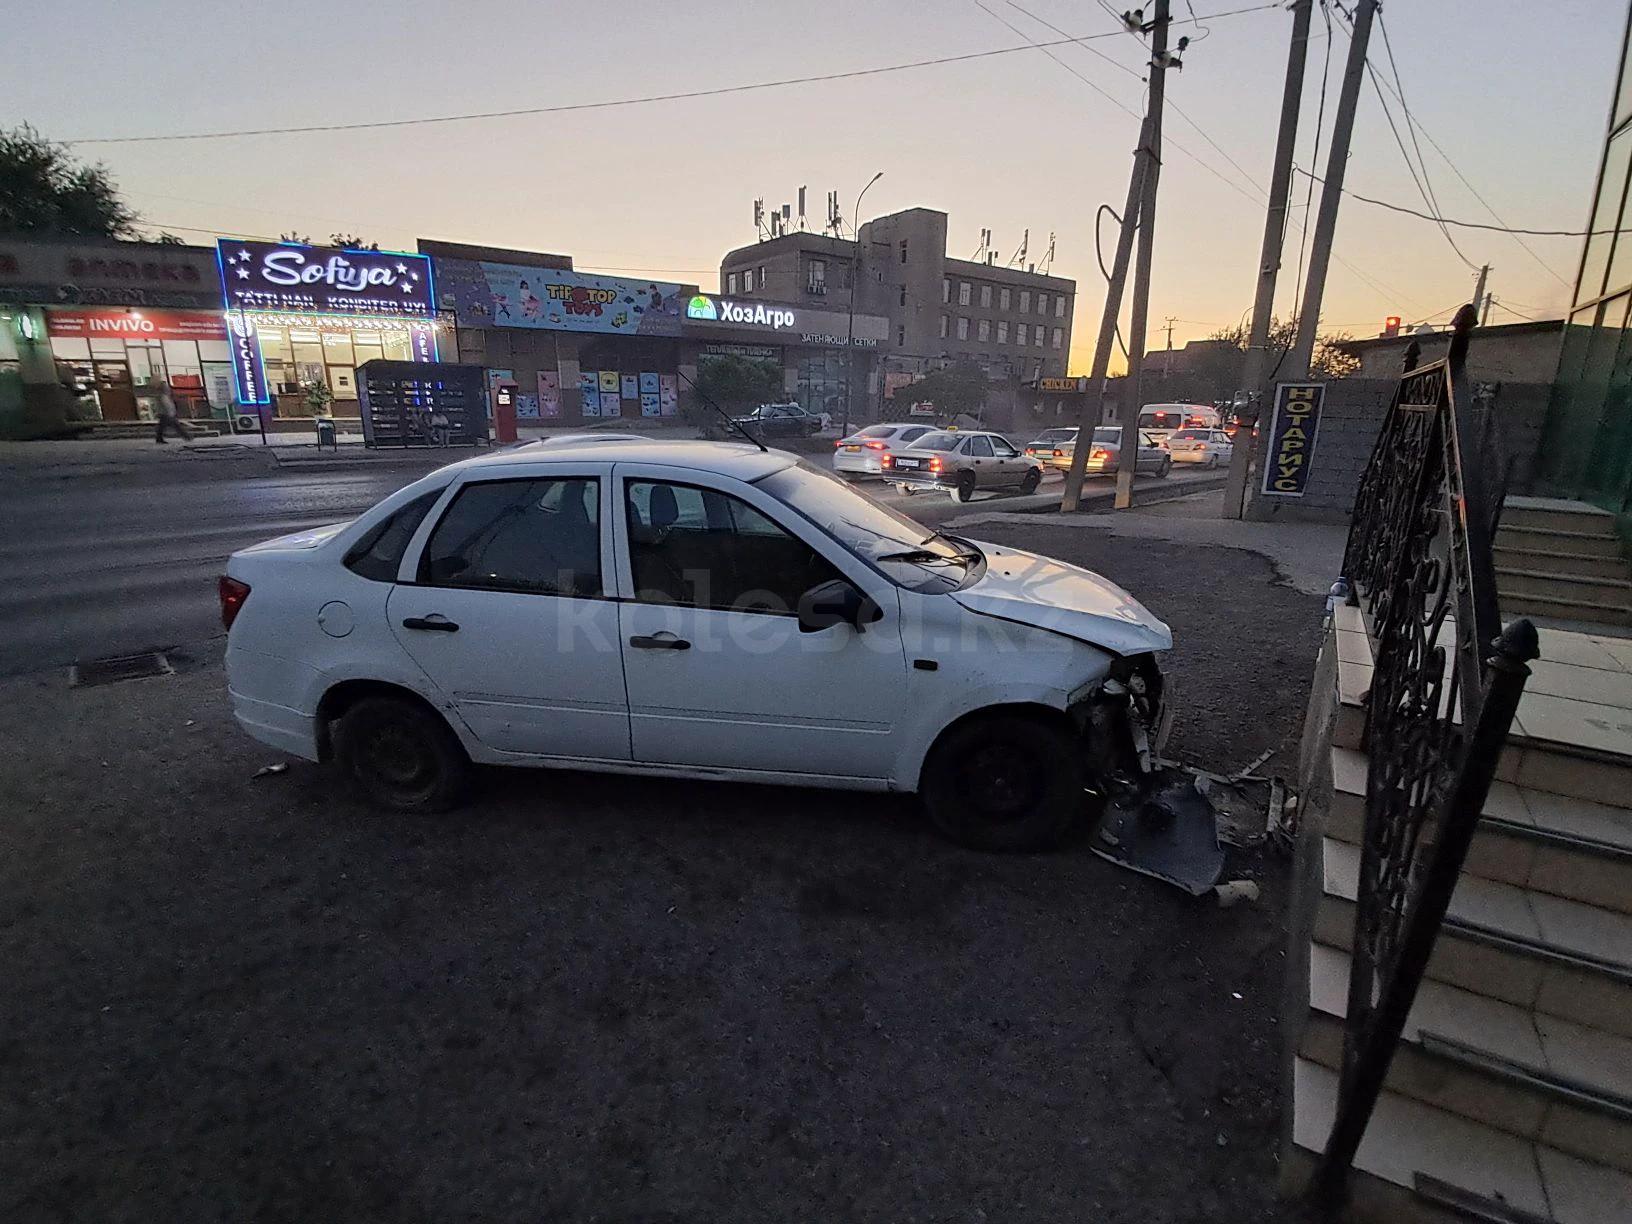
(739, 459)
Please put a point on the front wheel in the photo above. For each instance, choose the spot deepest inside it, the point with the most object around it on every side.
(400, 756)
(1005, 782)
(964, 490)
(1212, 462)
(1166, 468)
(1029, 485)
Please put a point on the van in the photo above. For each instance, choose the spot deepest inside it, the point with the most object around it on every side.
(1159, 420)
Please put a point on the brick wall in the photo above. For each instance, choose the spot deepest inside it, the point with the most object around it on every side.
(1349, 422)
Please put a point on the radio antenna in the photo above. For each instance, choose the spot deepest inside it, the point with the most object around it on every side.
(724, 415)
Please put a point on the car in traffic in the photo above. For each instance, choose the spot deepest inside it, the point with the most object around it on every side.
(771, 422)
(963, 462)
(1105, 456)
(862, 453)
(1207, 447)
(1053, 447)
(1159, 421)
(692, 610)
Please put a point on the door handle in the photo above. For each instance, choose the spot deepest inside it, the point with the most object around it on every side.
(435, 622)
(660, 642)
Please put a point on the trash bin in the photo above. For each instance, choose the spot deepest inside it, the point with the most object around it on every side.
(326, 433)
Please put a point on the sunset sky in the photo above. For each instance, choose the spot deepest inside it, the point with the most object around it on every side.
(1517, 94)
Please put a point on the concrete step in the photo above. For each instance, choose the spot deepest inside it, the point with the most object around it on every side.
(1569, 564)
(1554, 608)
(1552, 584)
(1534, 1076)
(1534, 539)
(1555, 514)
(1536, 951)
(1556, 844)
(1418, 1163)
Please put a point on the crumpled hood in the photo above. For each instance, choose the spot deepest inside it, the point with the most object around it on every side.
(310, 538)
(1033, 590)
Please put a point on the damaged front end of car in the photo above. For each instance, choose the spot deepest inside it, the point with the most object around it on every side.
(1124, 717)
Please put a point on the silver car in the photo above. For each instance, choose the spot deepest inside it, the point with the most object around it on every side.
(1107, 451)
(862, 453)
(1208, 447)
(963, 463)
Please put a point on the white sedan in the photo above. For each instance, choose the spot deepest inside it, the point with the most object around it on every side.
(862, 453)
(1207, 447)
(691, 610)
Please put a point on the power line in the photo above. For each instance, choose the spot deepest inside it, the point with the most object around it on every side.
(1476, 225)
(643, 100)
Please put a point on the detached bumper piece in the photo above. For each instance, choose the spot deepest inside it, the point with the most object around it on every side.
(1155, 821)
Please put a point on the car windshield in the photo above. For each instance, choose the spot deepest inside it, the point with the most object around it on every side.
(903, 550)
(1111, 434)
(942, 441)
(1191, 435)
(876, 431)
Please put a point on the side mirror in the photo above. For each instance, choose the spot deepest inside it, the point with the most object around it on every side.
(836, 603)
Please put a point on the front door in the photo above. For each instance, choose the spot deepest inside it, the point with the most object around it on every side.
(1010, 462)
(718, 671)
(508, 616)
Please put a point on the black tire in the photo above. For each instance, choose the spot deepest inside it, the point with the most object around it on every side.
(1029, 485)
(1005, 782)
(1165, 470)
(1212, 462)
(400, 756)
(964, 490)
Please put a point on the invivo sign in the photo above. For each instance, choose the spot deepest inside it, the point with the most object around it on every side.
(743, 314)
(281, 276)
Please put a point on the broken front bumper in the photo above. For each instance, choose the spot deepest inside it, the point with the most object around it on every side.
(1125, 717)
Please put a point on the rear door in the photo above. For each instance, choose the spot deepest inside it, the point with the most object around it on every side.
(504, 603)
(987, 470)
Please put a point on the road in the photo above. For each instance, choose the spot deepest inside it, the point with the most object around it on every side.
(116, 558)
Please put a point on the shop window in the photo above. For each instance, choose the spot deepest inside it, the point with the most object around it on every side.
(398, 346)
(1002, 331)
(985, 330)
(943, 327)
(1025, 303)
(963, 329)
(963, 293)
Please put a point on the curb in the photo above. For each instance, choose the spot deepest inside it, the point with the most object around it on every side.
(1098, 502)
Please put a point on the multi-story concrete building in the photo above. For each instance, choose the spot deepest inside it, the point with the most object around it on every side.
(1015, 323)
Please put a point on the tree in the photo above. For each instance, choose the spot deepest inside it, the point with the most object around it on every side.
(736, 384)
(44, 190)
(1332, 359)
(352, 242)
(957, 389)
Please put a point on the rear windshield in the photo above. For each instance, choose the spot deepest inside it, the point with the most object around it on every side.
(1192, 435)
(1107, 433)
(1160, 420)
(1057, 435)
(876, 431)
(939, 442)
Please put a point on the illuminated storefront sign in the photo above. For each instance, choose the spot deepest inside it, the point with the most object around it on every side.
(1292, 433)
(742, 314)
(284, 277)
(248, 374)
(1062, 386)
(137, 324)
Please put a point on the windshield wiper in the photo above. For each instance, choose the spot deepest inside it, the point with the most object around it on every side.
(928, 556)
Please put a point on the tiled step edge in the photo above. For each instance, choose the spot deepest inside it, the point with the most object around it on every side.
(1417, 1147)
(1572, 564)
(1566, 609)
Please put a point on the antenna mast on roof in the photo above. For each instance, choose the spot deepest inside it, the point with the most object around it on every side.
(802, 224)
(1019, 259)
(982, 253)
(759, 219)
(1048, 259)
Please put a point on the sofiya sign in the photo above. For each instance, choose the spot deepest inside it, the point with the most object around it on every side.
(278, 276)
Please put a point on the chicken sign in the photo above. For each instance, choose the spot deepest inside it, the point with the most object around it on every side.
(1292, 434)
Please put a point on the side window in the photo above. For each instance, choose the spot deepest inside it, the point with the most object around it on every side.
(1003, 447)
(379, 553)
(979, 445)
(537, 536)
(703, 549)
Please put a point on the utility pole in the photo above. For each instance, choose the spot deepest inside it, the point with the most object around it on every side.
(1331, 193)
(1167, 365)
(1128, 456)
(1092, 403)
(1269, 260)
(1480, 302)
(850, 329)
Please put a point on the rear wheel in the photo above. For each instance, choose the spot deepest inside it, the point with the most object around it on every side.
(1004, 782)
(964, 490)
(1032, 479)
(1165, 468)
(400, 756)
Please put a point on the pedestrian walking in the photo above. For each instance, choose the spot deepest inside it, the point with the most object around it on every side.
(164, 408)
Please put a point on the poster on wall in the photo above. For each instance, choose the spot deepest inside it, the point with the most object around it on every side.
(629, 388)
(510, 295)
(648, 384)
(590, 392)
(526, 407)
(611, 405)
(609, 382)
(669, 394)
(549, 393)
(1292, 434)
(649, 405)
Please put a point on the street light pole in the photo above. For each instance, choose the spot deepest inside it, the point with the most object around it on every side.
(850, 327)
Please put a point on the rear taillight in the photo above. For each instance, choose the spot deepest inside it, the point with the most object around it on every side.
(887, 461)
(233, 594)
(1059, 454)
(875, 446)
(1101, 453)
(839, 444)
(934, 465)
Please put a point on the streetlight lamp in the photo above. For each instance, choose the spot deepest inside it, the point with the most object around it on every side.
(850, 329)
